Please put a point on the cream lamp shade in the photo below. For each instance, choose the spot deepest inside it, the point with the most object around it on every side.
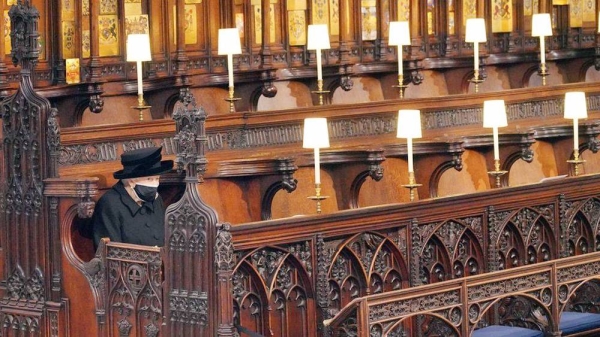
(541, 25)
(399, 33)
(316, 135)
(229, 41)
(475, 30)
(138, 48)
(318, 37)
(494, 114)
(575, 105)
(409, 124)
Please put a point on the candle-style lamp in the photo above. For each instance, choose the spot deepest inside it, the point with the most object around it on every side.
(318, 39)
(409, 127)
(138, 50)
(229, 44)
(494, 116)
(316, 136)
(400, 36)
(476, 34)
(542, 26)
(575, 109)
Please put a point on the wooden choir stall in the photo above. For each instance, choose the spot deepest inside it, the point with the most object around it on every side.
(448, 227)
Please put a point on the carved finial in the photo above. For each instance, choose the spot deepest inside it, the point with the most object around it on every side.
(24, 34)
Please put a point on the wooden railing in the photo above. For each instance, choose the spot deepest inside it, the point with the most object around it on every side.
(334, 259)
(531, 297)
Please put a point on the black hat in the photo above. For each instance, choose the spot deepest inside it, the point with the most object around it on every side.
(143, 163)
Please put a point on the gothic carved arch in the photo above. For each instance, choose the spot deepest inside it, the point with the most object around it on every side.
(530, 311)
(272, 286)
(524, 236)
(435, 262)
(365, 263)
(430, 324)
(451, 249)
(582, 297)
(582, 228)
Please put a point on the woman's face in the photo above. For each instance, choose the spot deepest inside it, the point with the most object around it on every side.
(151, 181)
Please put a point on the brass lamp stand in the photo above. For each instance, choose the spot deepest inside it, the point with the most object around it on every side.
(576, 161)
(320, 91)
(401, 86)
(318, 197)
(412, 184)
(497, 172)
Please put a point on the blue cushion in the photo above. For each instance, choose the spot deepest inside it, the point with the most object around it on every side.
(572, 322)
(506, 331)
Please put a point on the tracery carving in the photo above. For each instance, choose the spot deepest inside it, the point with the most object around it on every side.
(134, 283)
(224, 258)
(365, 262)
(278, 276)
(527, 236)
(452, 249)
(85, 154)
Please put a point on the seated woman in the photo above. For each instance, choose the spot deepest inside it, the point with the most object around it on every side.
(132, 211)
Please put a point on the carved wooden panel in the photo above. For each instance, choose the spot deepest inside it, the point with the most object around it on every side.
(450, 249)
(134, 285)
(581, 232)
(520, 237)
(365, 263)
(273, 291)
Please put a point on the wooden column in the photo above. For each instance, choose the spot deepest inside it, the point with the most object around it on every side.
(180, 54)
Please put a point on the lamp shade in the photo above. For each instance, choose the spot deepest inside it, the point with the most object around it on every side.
(494, 114)
(409, 124)
(138, 48)
(316, 135)
(229, 41)
(399, 33)
(318, 37)
(575, 105)
(475, 30)
(541, 25)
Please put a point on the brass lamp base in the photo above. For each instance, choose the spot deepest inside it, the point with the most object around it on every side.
(401, 86)
(141, 107)
(231, 100)
(476, 80)
(497, 173)
(412, 184)
(320, 91)
(318, 197)
(576, 161)
(543, 72)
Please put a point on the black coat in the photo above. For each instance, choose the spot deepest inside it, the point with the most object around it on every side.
(118, 217)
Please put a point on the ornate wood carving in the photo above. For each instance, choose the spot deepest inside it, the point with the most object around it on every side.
(134, 286)
(196, 273)
(30, 236)
(452, 249)
(273, 290)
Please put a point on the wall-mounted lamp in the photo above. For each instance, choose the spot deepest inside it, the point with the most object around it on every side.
(409, 127)
(318, 39)
(138, 50)
(541, 26)
(316, 136)
(229, 44)
(400, 36)
(575, 109)
(494, 116)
